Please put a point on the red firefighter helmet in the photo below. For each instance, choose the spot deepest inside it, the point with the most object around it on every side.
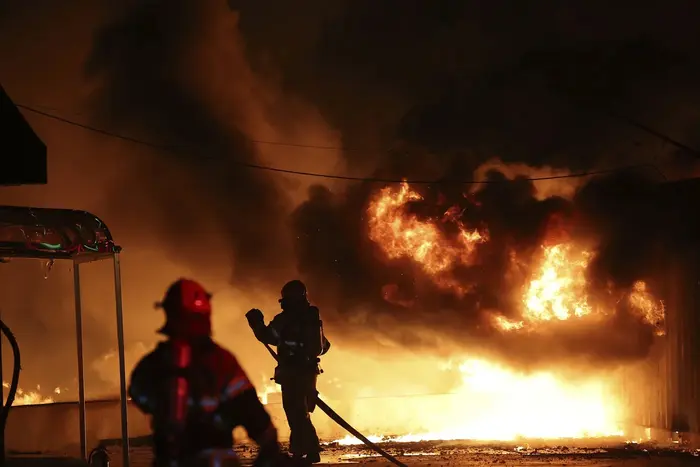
(187, 307)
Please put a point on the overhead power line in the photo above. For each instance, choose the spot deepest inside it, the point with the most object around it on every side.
(45, 111)
(171, 149)
(651, 131)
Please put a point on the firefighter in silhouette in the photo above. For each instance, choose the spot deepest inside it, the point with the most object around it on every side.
(298, 334)
(195, 392)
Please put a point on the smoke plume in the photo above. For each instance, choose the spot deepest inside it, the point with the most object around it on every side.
(177, 73)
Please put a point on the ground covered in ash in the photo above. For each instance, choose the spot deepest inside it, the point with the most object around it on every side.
(440, 453)
(461, 454)
(436, 454)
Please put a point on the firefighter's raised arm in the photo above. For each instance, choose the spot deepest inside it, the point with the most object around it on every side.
(266, 334)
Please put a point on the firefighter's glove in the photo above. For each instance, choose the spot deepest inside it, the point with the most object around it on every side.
(255, 318)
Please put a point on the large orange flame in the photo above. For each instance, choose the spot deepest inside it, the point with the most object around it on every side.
(558, 290)
(402, 235)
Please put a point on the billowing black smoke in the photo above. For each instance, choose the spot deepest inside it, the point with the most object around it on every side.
(356, 285)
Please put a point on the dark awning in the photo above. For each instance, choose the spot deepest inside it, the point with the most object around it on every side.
(22, 153)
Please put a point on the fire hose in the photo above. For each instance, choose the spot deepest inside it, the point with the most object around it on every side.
(339, 420)
(13, 388)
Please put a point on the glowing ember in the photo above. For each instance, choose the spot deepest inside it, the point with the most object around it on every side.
(23, 397)
(403, 235)
(499, 404)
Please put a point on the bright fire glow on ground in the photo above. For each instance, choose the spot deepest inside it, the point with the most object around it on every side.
(497, 404)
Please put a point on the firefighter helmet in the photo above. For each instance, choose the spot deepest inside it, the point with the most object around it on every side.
(293, 293)
(187, 307)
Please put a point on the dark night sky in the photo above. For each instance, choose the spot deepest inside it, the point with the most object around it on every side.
(475, 74)
(407, 86)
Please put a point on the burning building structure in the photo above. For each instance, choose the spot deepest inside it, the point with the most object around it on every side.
(666, 391)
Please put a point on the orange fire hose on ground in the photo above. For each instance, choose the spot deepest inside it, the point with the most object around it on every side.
(339, 420)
